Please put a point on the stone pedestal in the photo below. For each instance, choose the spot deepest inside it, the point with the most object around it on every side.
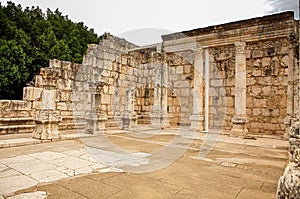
(46, 123)
(239, 126)
(129, 120)
(101, 118)
(197, 122)
(92, 123)
(155, 119)
(165, 121)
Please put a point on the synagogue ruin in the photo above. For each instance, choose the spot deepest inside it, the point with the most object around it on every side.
(239, 78)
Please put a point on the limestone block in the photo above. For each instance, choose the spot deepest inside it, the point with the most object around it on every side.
(187, 69)
(266, 61)
(48, 99)
(256, 72)
(65, 96)
(286, 61)
(248, 54)
(257, 53)
(256, 111)
(20, 105)
(259, 103)
(37, 105)
(105, 99)
(47, 125)
(179, 69)
(257, 63)
(62, 106)
(267, 91)
(54, 63)
(217, 83)
(39, 81)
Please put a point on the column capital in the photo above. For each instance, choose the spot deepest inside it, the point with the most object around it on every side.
(240, 46)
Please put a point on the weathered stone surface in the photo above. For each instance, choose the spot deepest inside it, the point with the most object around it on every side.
(289, 183)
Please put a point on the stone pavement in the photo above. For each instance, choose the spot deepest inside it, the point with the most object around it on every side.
(83, 168)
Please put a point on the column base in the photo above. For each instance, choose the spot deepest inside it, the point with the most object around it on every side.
(165, 122)
(155, 120)
(101, 118)
(239, 126)
(91, 121)
(197, 122)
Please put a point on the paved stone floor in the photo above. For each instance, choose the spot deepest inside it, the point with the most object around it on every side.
(91, 167)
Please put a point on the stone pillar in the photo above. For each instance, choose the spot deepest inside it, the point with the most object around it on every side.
(239, 119)
(164, 95)
(47, 119)
(197, 118)
(91, 117)
(156, 112)
(292, 102)
(207, 84)
(129, 117)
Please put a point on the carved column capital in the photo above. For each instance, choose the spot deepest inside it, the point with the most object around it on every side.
(240, 47)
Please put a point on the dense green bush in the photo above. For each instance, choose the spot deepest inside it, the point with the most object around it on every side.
(29, 38)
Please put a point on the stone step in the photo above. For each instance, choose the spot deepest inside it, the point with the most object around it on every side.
(14, 129)
(71, 125)
(144, 119)
(16, 121)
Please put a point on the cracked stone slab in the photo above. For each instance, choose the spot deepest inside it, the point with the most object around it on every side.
(15, 183)
(35, 195)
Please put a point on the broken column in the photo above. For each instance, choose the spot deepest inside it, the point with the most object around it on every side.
(239, 119)
(47, 119)
(197, 118)
(129, 117)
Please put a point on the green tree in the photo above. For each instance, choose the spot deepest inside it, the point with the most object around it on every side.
(29, 38)
(13, 69)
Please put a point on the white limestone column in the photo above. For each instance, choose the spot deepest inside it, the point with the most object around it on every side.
(206, 109)
(239, 119)
(197, 117)
(164, 95)
(156, 112)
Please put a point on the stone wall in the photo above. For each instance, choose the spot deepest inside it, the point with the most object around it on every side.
(16, 117)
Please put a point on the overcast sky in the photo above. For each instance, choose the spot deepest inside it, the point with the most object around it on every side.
(132, 19)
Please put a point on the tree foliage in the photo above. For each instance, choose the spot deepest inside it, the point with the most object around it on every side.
(29, 38)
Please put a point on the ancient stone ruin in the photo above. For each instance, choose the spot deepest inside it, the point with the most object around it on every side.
(240, 78)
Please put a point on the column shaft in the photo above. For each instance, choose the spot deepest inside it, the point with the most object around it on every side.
(240, 118)
(197, 117)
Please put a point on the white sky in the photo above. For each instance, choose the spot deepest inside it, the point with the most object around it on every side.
(123, 17)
